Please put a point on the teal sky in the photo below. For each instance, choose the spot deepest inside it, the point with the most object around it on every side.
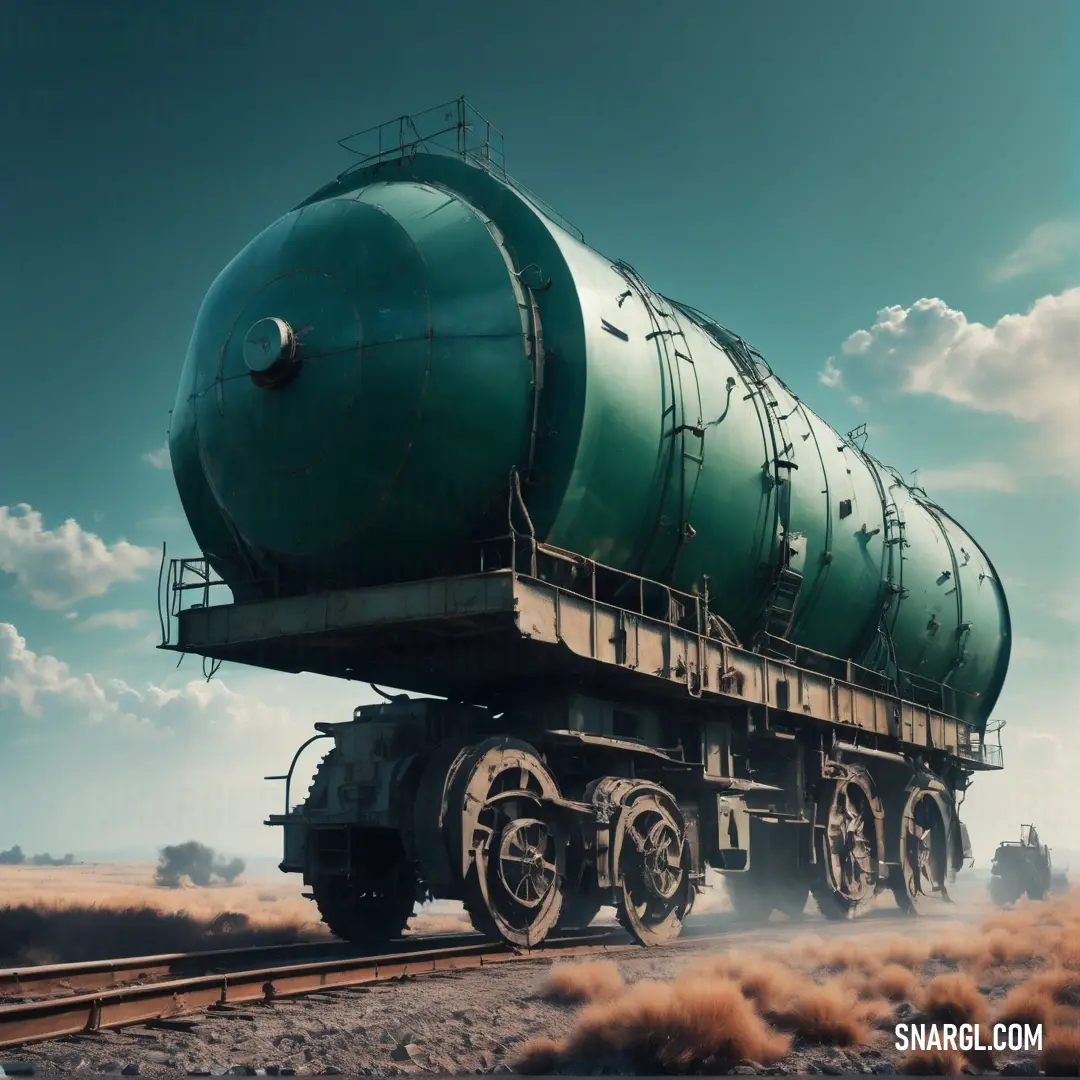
(792, 169)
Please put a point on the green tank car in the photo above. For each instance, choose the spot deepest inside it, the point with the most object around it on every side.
(428, 437)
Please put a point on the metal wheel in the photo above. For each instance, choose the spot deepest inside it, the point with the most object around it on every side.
(1005, 890)
(527, 861)
(507, 840)
(367, 912)
(849, 845)
(924, 855)
(655, 892)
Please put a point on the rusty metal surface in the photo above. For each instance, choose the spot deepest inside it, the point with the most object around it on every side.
(49, 1019)
(54, 979)
(530, 622)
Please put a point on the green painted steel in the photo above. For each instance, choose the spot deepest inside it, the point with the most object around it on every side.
(435, 330)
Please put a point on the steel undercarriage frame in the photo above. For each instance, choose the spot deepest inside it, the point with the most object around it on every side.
(473, 637)
(644, 742)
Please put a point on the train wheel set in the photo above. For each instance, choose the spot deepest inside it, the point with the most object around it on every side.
(527, 859)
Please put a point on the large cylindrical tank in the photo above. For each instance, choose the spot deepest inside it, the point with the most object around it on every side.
(365, 375)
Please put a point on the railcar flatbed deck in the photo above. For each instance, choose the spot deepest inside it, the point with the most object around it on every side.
(471, 636)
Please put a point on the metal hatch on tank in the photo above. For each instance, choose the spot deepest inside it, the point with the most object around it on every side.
(429, 438)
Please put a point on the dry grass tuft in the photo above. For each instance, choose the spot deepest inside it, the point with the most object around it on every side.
(893, 982)
(953, 999)
(539, 1057)
(743, 1005)
(1044, 999)
(931, 1063)
(690, 1025)
(572, 984)
(830, 1014)
(1061, 1052)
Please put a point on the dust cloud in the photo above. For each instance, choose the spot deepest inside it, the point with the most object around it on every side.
(787, 1002)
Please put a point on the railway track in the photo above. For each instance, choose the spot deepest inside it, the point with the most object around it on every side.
(55, 979)
(162, 1000)
(69, 999)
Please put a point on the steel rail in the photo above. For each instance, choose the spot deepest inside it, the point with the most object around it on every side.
(54, 979)
(41, 979)
(36, 1021)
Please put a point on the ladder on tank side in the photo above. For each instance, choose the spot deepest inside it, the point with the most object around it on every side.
(785, 580)
(681, 375)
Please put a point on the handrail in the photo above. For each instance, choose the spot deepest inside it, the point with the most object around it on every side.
(287, 777)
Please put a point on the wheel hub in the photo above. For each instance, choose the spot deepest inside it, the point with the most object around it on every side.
(663, 861)
(924, 853)
(526, 871)
(850, 846)
(851, 850)
(921, 857)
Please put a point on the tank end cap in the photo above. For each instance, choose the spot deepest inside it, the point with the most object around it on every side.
(268, 342)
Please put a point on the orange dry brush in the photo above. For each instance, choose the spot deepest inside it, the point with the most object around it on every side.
(743, 1006)
(953, 999)
(690, 1025)
(1061, 1052)
(831, 1015)
(891, 982)
(597, 980)
(827, 1013)
(932, 1063)
(1048, 998)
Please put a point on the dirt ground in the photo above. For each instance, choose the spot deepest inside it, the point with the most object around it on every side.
(783, 998)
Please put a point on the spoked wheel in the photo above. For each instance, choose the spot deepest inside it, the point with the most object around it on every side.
(924, 855)
(507, 841)
(655, 892)
(527, 861)
(850, 846)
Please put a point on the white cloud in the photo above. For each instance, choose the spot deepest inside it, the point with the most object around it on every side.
(107, 743)
(158, 458)
(1026, 366)
(113, 620)
(59, 567)
(857, 343)
(830, 374)
(47, 690)
(1046, 246)
(28, 677)
(970, 476)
